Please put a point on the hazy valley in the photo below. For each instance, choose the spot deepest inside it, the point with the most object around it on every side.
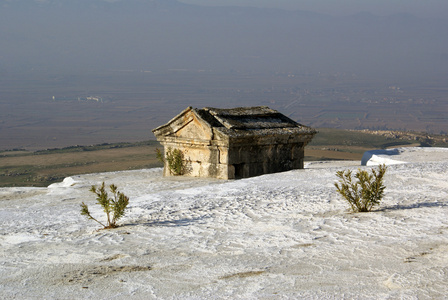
(42, 111)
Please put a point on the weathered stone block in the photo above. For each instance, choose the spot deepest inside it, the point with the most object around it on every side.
(235, 143)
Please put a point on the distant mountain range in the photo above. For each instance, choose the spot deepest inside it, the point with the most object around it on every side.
(72, 36)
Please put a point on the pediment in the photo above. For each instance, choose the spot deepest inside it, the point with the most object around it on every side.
(193, 128)
(186, 125)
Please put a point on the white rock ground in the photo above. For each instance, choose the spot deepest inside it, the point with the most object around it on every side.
(278, 236)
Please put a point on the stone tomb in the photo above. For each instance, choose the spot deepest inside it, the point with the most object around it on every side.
(235, 143)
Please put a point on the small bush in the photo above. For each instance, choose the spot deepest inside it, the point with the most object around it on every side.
(175, 160)
(364, 193)
(113, 207)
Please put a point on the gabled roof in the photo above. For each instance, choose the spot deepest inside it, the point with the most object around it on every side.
(253, 121)
(260, 117)
(242, 122)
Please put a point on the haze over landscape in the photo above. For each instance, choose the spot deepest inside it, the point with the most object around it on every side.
(430, 8)
(77, 72)
(80, 36)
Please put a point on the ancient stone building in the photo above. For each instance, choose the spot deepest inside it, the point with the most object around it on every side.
(235, 143)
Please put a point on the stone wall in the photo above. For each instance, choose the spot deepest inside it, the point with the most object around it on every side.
(238, 161)
(249, 161)
(201, 160)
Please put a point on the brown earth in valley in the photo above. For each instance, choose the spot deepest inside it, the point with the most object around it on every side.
(43, 168)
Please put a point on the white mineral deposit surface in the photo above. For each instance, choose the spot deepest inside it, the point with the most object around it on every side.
(277, 236)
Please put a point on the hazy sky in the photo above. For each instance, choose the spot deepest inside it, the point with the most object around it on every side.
(134, 35)
(421, 8)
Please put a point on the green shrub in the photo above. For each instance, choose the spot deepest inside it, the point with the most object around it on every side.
(113, 207)
(364, 193)
(175, 160)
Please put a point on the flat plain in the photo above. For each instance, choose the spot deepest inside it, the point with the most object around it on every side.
(59, 126)
(40, 110)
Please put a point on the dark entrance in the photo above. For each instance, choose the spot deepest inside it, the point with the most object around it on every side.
(239, 171)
